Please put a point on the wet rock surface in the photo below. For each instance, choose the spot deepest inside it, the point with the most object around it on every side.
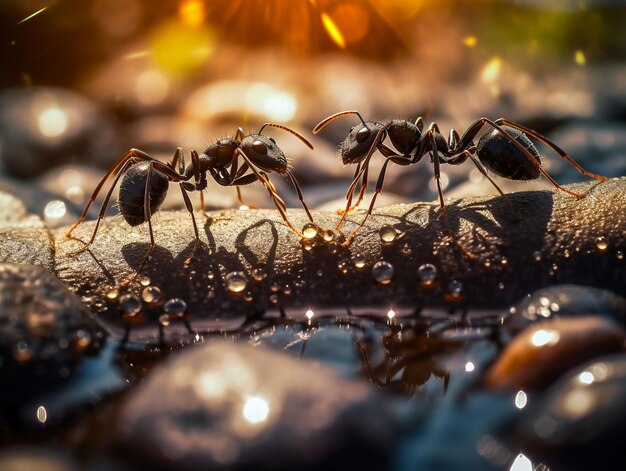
(24, 238)
(558, 239)
(234, 406)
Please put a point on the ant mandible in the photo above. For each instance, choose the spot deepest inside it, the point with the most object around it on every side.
(145, 180)
(506, 151)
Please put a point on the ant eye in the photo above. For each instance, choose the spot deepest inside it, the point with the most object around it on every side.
(259, 147)
(272, 139)
(362, 134)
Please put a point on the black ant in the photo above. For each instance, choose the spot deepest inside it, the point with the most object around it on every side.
(145, 180)
(506, 151)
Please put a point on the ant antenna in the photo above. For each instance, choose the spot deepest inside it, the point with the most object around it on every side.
(290, 131)
(333, 117)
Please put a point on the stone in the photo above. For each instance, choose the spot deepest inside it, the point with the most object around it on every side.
(229, 405)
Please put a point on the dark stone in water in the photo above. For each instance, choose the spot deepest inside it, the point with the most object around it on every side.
(546, 350)
(564, 301)
(44, 328)
(233, 405)
(580, 423)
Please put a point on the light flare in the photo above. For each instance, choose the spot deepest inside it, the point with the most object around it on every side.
(333, 30)
(192, 12)
(491, 70)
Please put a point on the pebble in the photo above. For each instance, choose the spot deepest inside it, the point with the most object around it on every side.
(564, 301)
(45, 127)
(580, 422)
(44, 328)
(232, 405)
(546, 350)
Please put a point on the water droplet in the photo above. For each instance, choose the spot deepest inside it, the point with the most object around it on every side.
(274, 287)
(455, 288)
(328, 235)
(54, 211)
(388, 234)
(537, 256)
(309, 231)
(382, 272)
(130, 304)
(22, 352)
(42, 414)
(620, 255)
(427, 274)
(259, 274)
(164, 320)
(308, 244)
(82, 339)
(333, 247)
(391, 314)
(309, 314)
(113, 293)
(274, 299)
(210, 276)
(487, 263)
(287, 290)
(175, 306)
(344, 267)
(566, 253)
(151, 294)
(501, 285)
(602, 243)
(248, 297)
(236, 282)
(145, 281)
(359, 261)
(320, 273)
(504, 260)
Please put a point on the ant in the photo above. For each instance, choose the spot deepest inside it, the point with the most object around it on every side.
(145, 180)
(506, 151)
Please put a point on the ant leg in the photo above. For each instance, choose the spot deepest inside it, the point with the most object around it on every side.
(379, 188)
(471, 132)
(299, 193)
(564, 155)
(442, 205)
(189, 207)
(103, 208)
(364, 183)
(482, 170)
(364, 168)
(133, 153)
(278, 201)
(195, 163)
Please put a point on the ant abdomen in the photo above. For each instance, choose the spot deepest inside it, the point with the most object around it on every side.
(133, 188)
(504, 158)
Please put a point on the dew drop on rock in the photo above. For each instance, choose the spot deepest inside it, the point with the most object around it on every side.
(388, 234)
(537, 256)
(130, 304)
(620, 255)
(22, 352)
(287, 290)
(175, 306)
(54, 211)
(328, 235)
(308, 245)
(602, 243)
(455, 288)
(145, 281)
(333, 247)
(113, 293)
(427, 274)
(259, 274)
(359, 261)
(309, 231)
(210, 276)
(164, 320)
(274, 287)
(151, 294)
(382, 272)
(274, 298)
(236, 282)
(82, 339)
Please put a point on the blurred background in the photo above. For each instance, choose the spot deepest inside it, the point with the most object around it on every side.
(85, 80)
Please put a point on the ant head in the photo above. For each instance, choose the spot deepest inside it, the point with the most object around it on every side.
(221, 153)
(359, 142)
(404, 135)
(264, 153)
